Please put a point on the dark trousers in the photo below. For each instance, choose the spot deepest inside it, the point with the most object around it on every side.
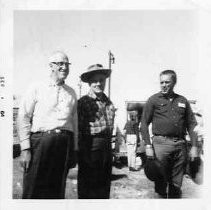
(173, 156)
(94, 172)
(46, 176)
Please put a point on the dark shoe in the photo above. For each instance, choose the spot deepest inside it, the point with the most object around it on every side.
(161, 195)
(174, 192)
(133, 169)
(161, 189)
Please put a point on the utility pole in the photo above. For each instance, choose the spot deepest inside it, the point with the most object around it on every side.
(79, 85)
(111, 61)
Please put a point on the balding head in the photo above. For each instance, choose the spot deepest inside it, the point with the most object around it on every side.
(58, 56)
(59, 66)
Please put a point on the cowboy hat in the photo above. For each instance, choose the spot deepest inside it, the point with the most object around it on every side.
(93, 69)
(154, 170)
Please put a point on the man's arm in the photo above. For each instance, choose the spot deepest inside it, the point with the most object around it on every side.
(191, 123)
(73, 152)
(146, 120)
(24, 126)
(25, 116)
(75, 124)
(82, 121)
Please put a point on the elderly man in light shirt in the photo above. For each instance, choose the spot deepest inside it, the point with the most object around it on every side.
(48, 133)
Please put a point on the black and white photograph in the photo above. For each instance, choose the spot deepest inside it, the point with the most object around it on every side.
(109, 105)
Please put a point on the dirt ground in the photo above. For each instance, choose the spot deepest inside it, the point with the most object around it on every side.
(125, 184)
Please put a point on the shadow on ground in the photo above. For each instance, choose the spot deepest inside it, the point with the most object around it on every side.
(117, 176)
(125, 184)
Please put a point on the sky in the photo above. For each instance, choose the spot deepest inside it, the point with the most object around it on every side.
(143, 42)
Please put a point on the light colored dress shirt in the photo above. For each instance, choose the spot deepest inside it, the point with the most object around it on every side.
(47, 106)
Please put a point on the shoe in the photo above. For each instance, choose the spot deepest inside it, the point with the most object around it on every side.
(133, 169)
(174, 191)
(160, 189)
(158, 195)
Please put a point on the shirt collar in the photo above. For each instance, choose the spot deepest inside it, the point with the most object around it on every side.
(94, 96)
(172, 95)
(52, 83)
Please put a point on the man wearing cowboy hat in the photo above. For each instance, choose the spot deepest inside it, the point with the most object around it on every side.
(96, 119)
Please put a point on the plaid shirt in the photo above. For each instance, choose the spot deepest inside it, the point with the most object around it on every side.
(95, 115)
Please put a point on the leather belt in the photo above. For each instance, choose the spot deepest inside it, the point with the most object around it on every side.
(55, 131)
(174, 138)
(102, 135)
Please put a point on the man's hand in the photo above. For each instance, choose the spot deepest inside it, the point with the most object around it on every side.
(193, 153)
(149, 151)
(25, 159)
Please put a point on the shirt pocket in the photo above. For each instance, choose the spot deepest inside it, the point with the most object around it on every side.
(66, 106)
(162, 107)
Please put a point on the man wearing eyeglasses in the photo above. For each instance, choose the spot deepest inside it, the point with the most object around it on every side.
(48, 133)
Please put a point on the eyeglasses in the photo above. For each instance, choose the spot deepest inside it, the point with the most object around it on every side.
(61, 63)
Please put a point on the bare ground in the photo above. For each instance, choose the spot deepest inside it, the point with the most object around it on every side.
(125, 184)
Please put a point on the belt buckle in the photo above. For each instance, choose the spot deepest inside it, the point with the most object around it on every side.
(54, 131)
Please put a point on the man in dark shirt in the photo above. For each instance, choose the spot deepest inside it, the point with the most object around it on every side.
(171, 117)
(131, 131)
(96, 115)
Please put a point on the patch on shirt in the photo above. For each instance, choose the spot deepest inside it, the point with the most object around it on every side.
(181, 105)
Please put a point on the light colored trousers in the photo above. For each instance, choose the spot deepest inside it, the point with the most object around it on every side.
(131, 140)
